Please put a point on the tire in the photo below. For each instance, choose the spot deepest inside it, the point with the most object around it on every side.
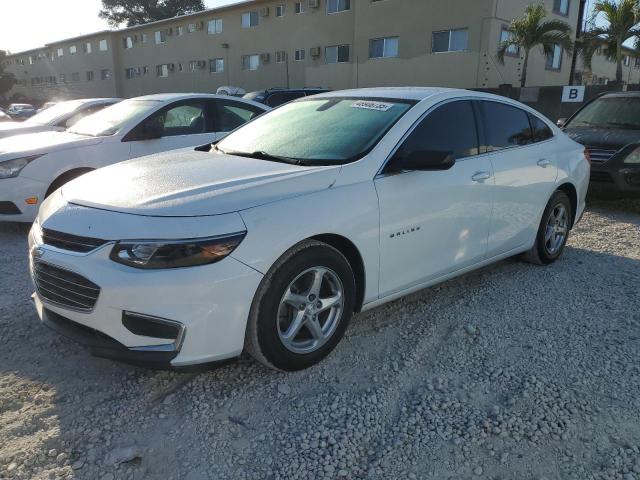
(549, 244)
(66, 178)
(270, 337)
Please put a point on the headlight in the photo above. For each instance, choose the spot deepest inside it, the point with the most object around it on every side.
(633, 157)
(156, 254)
(12, 168)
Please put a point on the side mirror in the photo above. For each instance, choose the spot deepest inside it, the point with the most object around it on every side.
(423, 160)
(561, 122)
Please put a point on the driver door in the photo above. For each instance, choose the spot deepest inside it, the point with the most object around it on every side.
(435, 222)
(181, 124)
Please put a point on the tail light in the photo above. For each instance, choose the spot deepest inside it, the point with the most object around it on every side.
(587, 155)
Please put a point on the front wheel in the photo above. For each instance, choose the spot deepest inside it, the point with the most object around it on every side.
(302, 308)
(553, 232)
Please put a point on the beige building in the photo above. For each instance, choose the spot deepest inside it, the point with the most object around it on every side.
(264, 43)
(603, 69)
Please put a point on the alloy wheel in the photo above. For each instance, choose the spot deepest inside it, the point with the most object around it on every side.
(556, 229)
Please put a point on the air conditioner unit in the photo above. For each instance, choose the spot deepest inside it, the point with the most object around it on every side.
(314, 3)
(265, 57)
(264, 12)
(315, 51)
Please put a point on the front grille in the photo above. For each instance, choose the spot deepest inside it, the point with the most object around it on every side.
(600, 155)
(70, 242)
(9, 208)
(602, 177)
(63, 287)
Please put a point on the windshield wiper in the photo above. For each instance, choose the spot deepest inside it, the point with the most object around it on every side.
(261, 155)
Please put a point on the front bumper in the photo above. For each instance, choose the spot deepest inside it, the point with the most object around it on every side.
(211, 302)
(616, 175)
(15, 191)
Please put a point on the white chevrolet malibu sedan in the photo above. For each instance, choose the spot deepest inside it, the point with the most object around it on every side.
(270, 240)
(35, 165)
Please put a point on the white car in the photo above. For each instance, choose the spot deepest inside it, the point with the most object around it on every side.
(323, 207)
(56, 118)
(33, 166)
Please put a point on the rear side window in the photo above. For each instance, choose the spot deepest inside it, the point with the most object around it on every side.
(505, 126)
(539, 129)
(449, 129)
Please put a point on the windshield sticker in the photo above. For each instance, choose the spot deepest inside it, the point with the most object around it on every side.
(368, 105)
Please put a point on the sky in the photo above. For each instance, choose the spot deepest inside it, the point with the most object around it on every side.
(30, 24)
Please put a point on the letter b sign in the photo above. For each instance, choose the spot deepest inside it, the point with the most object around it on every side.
(573, 94)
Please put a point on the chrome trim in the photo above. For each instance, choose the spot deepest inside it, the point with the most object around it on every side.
(176, 345)
(45, 293)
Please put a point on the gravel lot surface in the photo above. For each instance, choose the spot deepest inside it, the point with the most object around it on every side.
(512, 372)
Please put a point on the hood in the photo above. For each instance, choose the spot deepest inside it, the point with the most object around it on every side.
(605, 138)
(8, 129)
(41, 143)
(186, 184)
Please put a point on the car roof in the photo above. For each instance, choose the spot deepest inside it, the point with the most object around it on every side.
(400, 93)
(621, 94)
(171, 97)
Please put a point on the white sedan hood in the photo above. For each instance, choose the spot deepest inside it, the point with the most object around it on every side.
(41, 143)
(190, 183)
(9, 129)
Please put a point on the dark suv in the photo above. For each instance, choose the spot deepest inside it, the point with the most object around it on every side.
(274, 97)
(609, 127)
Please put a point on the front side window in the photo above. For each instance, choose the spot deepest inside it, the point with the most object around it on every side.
(450, 41)
(505, 126)
(609, 112)
(554, 61)
(335, 6)
(250, 62)
(249, 19)
(383, 47)
(214, 26)
(185, 119)
(316, 131)
(337, 54)
(448, 130)
(110, 120)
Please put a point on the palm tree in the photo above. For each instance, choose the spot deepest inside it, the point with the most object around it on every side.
(531, 31)
(622, 18)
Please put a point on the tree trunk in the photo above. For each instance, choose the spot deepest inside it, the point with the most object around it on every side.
(525, 65)
(619, 60)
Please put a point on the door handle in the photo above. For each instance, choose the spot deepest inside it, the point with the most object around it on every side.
(544, 163)
(481, 176)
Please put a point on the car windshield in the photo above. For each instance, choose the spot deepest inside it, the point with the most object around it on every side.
(609, 112)
(53, 113)
(110, 120)
(317, 131)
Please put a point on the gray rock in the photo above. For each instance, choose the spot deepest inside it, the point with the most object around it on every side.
(124, 455)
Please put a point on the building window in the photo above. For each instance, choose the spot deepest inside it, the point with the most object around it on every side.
(300, 55)
(337, 54)
(336, 6)
(216, 65)
(30, 60)
(279, 10)
(281, 56)
(561, 7)
(144, 38)
(160, 36)
(299, 8)
(554, 61)
(73, 50)
(214, 26)
(102, 45)
(626, 60)
(250, 62)
(179, 30)
(75, 77)
(505, 35)
(127, 42)
(249, 19)
(87, 47)
(191, 28)
(383, 47)
(63, 78)
(195, 65)
(450, 41)
(637, 62)
(145, 70)
(162, 70)
(129, 73)
(105, 74)
(60, 52)
(90, 76)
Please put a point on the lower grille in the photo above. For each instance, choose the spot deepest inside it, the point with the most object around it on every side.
(70, 242)
(9, 208)
(64, 288)
(599, 155)
(602, 177)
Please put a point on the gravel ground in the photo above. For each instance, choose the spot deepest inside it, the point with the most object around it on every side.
(513, 372)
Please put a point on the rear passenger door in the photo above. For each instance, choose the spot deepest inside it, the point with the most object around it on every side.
(522, 151)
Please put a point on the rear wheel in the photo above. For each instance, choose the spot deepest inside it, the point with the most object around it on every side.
(302, 308)
(553, 232)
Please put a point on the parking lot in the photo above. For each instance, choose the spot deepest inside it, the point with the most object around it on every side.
(513, 372)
